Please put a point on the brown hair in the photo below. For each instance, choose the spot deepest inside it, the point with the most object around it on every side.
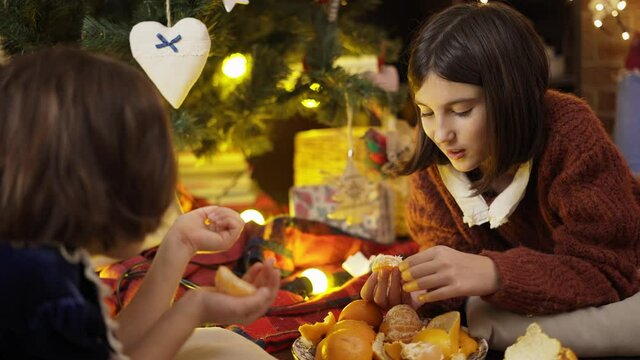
(85, 151)
(495, 47)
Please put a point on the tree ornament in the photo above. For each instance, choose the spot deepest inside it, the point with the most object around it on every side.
(354, 193)
(229, 4)
(172, 56)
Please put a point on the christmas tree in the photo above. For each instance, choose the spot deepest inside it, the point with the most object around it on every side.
(290, 48)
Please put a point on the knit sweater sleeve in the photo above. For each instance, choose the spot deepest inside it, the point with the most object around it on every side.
(586, 195)
(430, 223)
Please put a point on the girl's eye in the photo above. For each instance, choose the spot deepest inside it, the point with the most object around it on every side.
(426, 115)
(463, 113)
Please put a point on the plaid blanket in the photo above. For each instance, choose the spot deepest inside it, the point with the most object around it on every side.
(296, 245)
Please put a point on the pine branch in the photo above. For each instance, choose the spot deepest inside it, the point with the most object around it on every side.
(101, 35)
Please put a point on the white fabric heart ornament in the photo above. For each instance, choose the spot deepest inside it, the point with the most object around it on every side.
(173, 57)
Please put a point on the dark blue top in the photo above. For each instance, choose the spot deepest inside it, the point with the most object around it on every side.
(48, 308)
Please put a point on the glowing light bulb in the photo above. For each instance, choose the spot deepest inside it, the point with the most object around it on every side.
(621, 5)
(484, 1)
(318, 279)
(597, 23)
(234, 65)
(252, 215)
(310, 103)
(315, 87)
(614, 13)
(625, 36)
(599, 7)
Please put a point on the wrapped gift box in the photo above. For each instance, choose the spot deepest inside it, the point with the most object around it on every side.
(376, 215)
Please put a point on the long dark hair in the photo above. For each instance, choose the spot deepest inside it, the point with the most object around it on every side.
(495, 47)
(85, 150)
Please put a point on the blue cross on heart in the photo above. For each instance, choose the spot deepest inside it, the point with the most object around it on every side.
(166, 43)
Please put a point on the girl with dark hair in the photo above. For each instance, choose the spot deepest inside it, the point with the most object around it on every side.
(87, 166)
(520, 202)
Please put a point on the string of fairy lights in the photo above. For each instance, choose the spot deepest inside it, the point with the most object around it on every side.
(602, 9)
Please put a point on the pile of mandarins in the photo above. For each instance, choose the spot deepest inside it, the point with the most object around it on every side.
(362, 332)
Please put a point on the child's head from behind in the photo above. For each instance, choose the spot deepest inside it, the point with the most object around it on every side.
(86, 158)
(495, 50)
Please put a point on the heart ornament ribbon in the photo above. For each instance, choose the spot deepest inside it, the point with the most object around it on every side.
(173, 57)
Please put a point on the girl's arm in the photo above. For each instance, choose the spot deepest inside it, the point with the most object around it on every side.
(210, 228)
(590, 201)
(165, 337)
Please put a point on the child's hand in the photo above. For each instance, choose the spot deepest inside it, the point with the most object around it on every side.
(226, 309)
(210, 228)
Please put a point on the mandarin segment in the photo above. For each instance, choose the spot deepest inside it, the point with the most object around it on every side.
(227, 282)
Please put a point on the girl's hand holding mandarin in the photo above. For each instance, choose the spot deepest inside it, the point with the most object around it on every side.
(447, 273)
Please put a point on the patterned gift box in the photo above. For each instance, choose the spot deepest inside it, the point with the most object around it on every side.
(316, 202)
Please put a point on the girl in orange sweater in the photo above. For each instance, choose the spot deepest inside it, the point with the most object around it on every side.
(519, 200)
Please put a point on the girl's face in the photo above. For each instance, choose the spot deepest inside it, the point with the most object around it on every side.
(453, 116)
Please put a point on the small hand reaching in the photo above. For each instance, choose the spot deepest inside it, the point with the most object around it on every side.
(226, 309)
(210, 228)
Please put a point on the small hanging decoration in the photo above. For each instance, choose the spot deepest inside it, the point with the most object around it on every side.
(354, 193)
(172, 56)
(229, 4)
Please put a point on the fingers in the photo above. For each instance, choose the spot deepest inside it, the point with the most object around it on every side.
(430, 283)
(369, 287)
(420, 270)
(380, 294)
(252, 274)
(394, 296)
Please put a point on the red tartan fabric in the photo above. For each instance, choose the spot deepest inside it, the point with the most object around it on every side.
(279, 328)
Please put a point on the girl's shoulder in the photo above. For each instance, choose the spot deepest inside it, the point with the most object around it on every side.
(34, 275)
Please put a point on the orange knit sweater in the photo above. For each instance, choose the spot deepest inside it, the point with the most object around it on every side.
(574, 239)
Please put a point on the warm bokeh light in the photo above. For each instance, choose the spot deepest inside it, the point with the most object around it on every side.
(318, 280)
(599, 7)
(484, 1)
(310, 103)
(621, 5)
(614, 13)
(234, 66)
(625, 36)
(597, 23)
(252, 215)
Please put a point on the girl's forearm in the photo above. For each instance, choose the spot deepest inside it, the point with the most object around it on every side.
(155, 295)
(166, 336)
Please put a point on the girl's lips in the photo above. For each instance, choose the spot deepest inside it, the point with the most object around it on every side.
(455, 154)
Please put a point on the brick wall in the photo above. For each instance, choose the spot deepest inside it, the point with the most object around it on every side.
(603, 54)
